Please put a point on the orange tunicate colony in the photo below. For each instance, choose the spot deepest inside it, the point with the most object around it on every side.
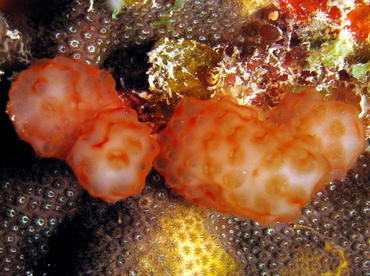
(68, 109)
(116, 149)
(50, 101)
(216, 153)
(220, 155)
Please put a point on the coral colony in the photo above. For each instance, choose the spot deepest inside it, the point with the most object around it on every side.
(220, 137)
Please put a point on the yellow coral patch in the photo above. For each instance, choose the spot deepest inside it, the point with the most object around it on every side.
(183, 245)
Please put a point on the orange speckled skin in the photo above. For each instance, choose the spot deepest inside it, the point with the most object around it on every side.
(112, 158)
(70, 110)
(220, 155)
(49, 101)
(334, 125)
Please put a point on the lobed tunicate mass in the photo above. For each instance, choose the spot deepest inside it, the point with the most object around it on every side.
(266, 50)
(221, 155)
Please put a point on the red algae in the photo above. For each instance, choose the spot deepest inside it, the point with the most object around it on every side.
(301, 10)
(360, 21)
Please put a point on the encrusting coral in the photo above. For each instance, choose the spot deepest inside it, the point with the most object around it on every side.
(153, 233)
